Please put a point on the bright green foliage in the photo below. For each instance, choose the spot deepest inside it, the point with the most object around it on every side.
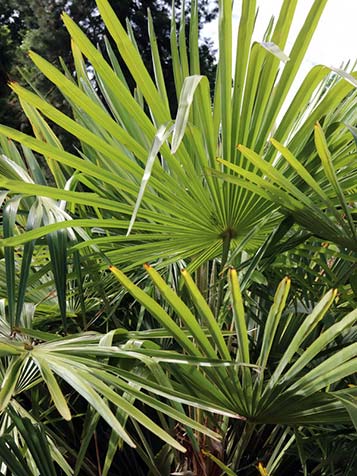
(260, 397)
(296, 389)
(258, 365)
(182, 211)
(36, 24)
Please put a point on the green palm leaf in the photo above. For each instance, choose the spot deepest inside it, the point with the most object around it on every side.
(183, 210)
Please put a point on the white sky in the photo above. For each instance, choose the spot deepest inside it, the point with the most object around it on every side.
(335, 39)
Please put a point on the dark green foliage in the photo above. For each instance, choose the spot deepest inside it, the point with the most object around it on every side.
(33, 437)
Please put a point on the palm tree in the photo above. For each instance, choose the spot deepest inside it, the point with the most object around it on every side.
(175, 208)
(142, 187)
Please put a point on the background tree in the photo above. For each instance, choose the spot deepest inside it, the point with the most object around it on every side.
(37, 25)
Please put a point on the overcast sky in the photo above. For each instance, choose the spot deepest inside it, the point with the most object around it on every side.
(335, 39)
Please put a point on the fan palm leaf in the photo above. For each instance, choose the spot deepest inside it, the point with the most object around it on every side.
(160, 192)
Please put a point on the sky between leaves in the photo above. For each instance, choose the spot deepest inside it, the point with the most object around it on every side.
(334, 42)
